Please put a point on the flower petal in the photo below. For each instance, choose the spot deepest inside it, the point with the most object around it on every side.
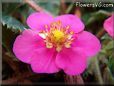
(109, 25)
(43, 61)
(25, 44)
(72, 61)
(38, 20)
(73, 21)
(88, 42)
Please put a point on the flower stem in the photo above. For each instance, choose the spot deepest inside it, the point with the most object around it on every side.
(69, 8)
(96, 62)
(101, 33)
(71, 80)
(62, 7)
(107, 76)
(35, 6)
(97, 71)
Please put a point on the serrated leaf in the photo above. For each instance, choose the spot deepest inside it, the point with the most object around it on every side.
(11, 22)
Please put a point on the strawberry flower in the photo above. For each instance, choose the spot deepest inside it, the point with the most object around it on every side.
(109, 25)
(54, 44)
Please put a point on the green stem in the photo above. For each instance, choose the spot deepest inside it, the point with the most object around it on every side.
(96, 62)
(97, 71)
(69, 8)
(107, 76)
(73, 80)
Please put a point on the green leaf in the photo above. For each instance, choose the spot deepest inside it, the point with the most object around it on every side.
(110, 45)
(9, 8)
(90, 18)
(111, 63)
(106, 37)
(101, 14)
(52, 6)
(11, 22)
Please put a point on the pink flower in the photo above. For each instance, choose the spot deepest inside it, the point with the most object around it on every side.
(109, 25)
(54, 44)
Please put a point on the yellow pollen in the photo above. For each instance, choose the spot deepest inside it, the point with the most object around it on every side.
(58, 35)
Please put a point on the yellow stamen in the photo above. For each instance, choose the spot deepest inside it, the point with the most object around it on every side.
(49, 45)
(58, 35)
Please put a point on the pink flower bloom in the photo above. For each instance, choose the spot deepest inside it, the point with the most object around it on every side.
(109, 25)
(54, 44)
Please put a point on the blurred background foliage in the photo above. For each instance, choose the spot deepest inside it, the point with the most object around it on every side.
(14, 22)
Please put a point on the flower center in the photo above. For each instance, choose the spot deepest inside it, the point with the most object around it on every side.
(57, 36)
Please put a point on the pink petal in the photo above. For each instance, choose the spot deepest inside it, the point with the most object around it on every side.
(43, 61)
(73, 21)
(72, 61)
(109, 25)
(25, 44)
(38, 20)
(88, 42)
